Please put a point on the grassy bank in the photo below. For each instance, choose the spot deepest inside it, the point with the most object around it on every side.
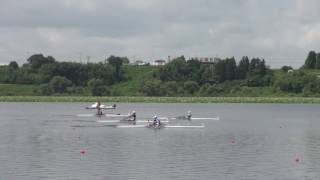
(17, 89)
(123, 99)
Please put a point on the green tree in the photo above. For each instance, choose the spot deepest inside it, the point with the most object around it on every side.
(253, 64)
(311, 60)
(37, 60)
(255, 81)
(97, 87)
(170, 88)
(25, 77)
(116, 62)
(125, 60)
(191, 87)
(257, 67)
(313, 86)
(286, 68)
(151, 88)
(317, 65)
(261, 67)
(101, 71)
(45, 89)
(48, 71)
(13, 65)
(243, 68)
(207, 75)
(230, 68)
(193, 69)
(176, 70)
(215, 90)
(203, 89)
(219, 71)
(59, 84)
(294, 82)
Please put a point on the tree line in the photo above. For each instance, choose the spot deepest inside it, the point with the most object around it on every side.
(180, 77)
(60, 77)
(189, 77)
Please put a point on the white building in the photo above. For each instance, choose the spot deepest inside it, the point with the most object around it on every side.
(140, 63)
(207, 59)
(159, 62)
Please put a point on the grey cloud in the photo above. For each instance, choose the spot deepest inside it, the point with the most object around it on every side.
(282, 32)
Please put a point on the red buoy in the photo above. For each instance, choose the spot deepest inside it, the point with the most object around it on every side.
(82, 151)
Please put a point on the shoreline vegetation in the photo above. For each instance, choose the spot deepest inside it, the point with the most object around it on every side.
(181, 80)
(133, 99)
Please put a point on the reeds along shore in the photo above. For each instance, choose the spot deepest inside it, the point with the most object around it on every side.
(134, 99)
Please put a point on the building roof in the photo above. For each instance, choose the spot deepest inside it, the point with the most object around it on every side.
(159, 60)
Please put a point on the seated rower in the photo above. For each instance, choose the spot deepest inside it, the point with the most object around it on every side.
(189, 115)
(156, 121)
(99, 110)
(133, 116)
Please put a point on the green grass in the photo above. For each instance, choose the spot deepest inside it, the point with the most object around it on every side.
(312, 71)
(127, 99)
(132, 86)
(279, 73)
(128, 92)
(17, 89)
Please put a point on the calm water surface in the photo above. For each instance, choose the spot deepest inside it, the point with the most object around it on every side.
(251, 141)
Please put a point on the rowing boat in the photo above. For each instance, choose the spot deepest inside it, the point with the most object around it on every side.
(164, 119)
(117, 121)
(86, 115)
(186, 118)
(156, 127)
(107, 115)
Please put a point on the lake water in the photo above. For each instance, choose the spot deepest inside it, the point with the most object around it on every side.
(251, 141)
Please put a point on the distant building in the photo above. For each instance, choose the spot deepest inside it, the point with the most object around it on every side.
(207, 60)
(159, 62)
(140, 63)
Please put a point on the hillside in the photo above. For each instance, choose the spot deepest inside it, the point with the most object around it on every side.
(138, 73)
(135, 75)
(44, 76)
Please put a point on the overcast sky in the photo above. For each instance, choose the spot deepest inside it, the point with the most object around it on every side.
(280, 31)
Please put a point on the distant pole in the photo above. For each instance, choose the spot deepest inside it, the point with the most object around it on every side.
(80, 57)
(106, 59)
(88, 59)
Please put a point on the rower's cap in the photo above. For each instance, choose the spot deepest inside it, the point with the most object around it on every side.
(155, 116)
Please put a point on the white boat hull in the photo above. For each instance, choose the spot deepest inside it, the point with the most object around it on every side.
(185, 118)
(118, 121)
(154, 127)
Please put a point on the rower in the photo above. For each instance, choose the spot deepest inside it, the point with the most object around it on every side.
(156, 121)
(99, 110)
(133, 116)
(189, 115)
